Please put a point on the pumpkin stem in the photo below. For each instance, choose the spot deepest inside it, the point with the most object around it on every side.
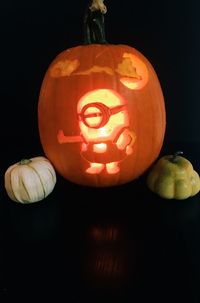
(173, 158)
(94, 30)
(24, 161)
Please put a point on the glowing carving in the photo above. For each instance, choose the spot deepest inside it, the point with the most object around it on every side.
(100, 148)
(95, 168)
(134, 72)
(104, 131)
(64, 68)
(127, 68)
(112, 168)
(68, 139)
(96, 69)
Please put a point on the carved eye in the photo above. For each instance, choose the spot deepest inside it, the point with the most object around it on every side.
(92, 116)
(133, 71)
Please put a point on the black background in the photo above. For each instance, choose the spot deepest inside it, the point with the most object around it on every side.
(45, 247)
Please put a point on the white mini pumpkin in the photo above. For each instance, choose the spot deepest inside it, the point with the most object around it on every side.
(30, 180)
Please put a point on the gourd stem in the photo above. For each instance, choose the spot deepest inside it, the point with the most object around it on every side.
(173, 158)
(24, 161)
(94, 29)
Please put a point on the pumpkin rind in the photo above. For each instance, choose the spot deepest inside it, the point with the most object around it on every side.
(30, 180)
(83, 69)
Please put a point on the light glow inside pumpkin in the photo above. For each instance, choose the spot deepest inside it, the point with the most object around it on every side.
(96, 114)
(134, 72)
(102, 114)
(104, 128)
(100, 148)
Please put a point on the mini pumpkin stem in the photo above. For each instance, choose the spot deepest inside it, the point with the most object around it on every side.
(173, 158)
(94, 29)
(24, 161)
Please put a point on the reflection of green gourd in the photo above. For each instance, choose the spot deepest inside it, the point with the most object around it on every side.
(173, 177)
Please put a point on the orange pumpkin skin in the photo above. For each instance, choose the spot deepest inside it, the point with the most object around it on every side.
(119, 72)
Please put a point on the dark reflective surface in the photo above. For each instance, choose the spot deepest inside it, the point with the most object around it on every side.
(121, 244)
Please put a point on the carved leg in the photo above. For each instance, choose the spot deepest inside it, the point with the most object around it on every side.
(95, 168)
(112, 168)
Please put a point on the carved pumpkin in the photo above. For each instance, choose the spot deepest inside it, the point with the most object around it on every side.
(101, 114)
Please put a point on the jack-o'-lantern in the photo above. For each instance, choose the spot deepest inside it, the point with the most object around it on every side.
(101, 110)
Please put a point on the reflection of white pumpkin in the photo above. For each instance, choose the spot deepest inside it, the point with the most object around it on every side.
(30, 180)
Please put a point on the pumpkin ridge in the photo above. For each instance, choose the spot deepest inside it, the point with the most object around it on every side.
(10, 181)
(22, 182)
(44, 192)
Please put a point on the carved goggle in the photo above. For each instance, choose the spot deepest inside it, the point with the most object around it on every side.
(99, 110)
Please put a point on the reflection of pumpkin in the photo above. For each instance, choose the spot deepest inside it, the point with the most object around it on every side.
(101, 114)
(106, 234)
(106, 260)
(108, 264)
